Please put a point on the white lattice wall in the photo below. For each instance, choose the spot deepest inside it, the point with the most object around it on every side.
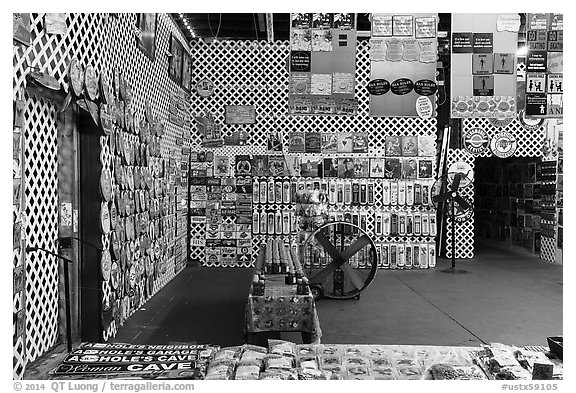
(529, 145)
(256, 73)
(105, 42)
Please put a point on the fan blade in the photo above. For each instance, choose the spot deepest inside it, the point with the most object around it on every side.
(456, 181)
(354, 248)
(323, 274)
(329, 247)
(462, 202)
(441, 197)
(354, 277)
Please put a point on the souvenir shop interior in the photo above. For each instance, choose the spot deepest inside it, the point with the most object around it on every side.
(288, 196)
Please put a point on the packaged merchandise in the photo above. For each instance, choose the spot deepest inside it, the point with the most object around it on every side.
(307, 362)
(313, 374)
(222, 369)
(253, 352)
(272, 361)
(228, 353)
(279, 374)
(248, 370)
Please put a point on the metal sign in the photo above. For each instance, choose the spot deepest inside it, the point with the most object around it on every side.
(503, 145)
(476, 141)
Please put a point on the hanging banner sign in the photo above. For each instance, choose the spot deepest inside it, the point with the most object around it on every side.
(503, 145)
(504, 63)
(536, 61)
(476, 141)
(239, 114)
(377, 87)
(461, 42)
(483, 85)
(91, 368)
(382, 25)
(536, 83)
(424, 107)
(555, 41)
(402, 86)
(425, 87)
(483, 42)
(508, 22)
(536, 40)
(300, 61)
(536, 105)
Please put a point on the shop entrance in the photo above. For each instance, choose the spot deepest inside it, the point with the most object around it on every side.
(507, 207)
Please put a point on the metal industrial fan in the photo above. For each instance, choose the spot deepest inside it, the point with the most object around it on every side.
(460, 175)
(341, 260)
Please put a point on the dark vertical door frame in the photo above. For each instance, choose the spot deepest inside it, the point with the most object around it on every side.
(89, 228)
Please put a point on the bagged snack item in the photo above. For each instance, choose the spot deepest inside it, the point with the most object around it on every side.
(383, 373)
(355, 361)
(376, 351)
(335, 369)
(408, 372)
(353, 351)
(313, 374)
(329, 360)
(305, 350)
(274, 361)
(207, 353)
(228, 353)
(281, 347)
(307, 362)
(248, 370)
(329, 350)
(278, 374)
(357, 371)
(380, 362)
(442, 371)
(253, 352)
(221, 369)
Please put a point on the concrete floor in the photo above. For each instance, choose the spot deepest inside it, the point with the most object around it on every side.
(505, 297)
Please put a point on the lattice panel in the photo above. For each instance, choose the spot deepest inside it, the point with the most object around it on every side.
(256, 73)
(529, 142)
(465, 230)
(548, 249)
(41, 230)
(106, 42)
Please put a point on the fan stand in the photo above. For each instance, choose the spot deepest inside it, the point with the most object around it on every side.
(453, 269)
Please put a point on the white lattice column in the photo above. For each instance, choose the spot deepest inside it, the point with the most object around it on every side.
(464, 230)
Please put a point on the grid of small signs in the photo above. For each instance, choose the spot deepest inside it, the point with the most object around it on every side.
(544, 65)
(377, 172)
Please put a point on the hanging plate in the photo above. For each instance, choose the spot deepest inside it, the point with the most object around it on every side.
(122, 81)
(117, 83)
(104, 88)
(94, 111)
(106, 185)
(114, 274)
(104, 218)
(91, 82)
(105, 265)
(116, 248)
(76, 76)
(113, 216)
(148, 112)
(105, 119)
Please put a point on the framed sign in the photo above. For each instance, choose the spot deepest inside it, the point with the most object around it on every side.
(21, 28)
(240, 114)
(146, 39)
(187, 72)
(175, 63)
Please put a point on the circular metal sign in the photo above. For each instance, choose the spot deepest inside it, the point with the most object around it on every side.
(503, 145)
(105, 218)
(476, 141)
(461, 214)
(465, 169)
(106, 265)
(76, 76)
(500, 122)
(531, 124)
(205, 87)
(91, 82)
